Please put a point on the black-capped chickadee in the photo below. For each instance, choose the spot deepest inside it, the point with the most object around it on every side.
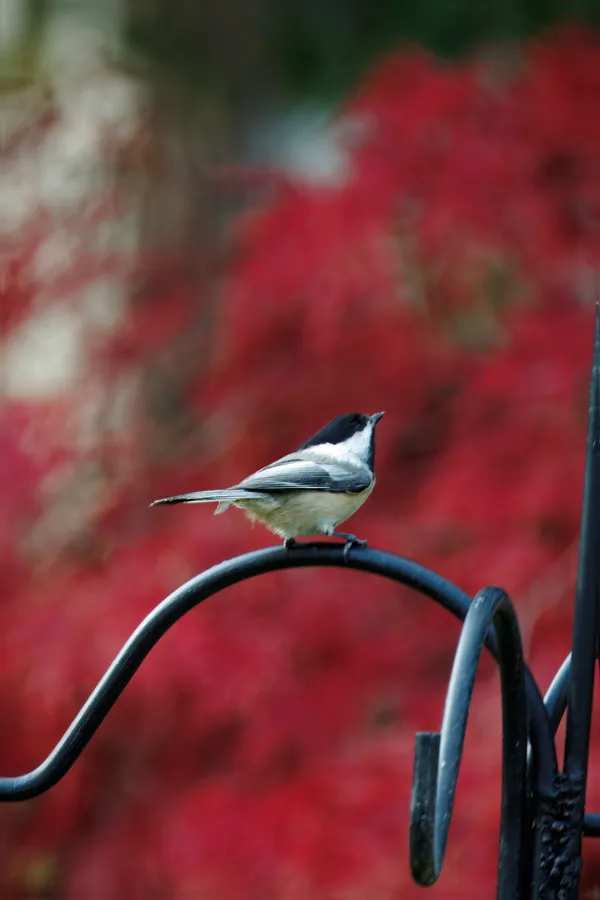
(311, 491)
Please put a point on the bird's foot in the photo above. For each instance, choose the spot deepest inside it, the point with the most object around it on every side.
(351, 541)
(289, 543)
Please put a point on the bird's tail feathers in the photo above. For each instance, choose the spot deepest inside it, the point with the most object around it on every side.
(225, 497)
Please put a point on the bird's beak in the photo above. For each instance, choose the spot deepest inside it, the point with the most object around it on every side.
(375, 419)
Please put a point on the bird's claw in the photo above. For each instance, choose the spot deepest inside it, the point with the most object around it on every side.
(351, 541)
(357, 542)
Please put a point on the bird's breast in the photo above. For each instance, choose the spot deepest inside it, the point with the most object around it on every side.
(304, 513)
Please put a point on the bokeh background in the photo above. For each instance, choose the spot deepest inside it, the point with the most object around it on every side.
(223, 223)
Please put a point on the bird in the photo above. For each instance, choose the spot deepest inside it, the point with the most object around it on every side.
(308, 492)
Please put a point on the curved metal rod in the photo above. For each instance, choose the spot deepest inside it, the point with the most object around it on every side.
(591, 825)
(556, 704)
(232, 571)
(557, 695)
(438, 755)
(542, 761)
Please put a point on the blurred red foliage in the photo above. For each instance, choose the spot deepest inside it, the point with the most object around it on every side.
(265, 749)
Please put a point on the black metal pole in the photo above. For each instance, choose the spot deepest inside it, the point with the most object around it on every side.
(585, 620)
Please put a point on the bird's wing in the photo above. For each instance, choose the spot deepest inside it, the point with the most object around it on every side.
(293, 473)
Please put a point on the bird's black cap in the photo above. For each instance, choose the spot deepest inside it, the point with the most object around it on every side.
(341, 428)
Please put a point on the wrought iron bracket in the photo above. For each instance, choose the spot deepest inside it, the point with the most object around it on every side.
(438, 756)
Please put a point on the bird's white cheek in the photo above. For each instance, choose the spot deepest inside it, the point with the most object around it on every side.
(357, 445)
